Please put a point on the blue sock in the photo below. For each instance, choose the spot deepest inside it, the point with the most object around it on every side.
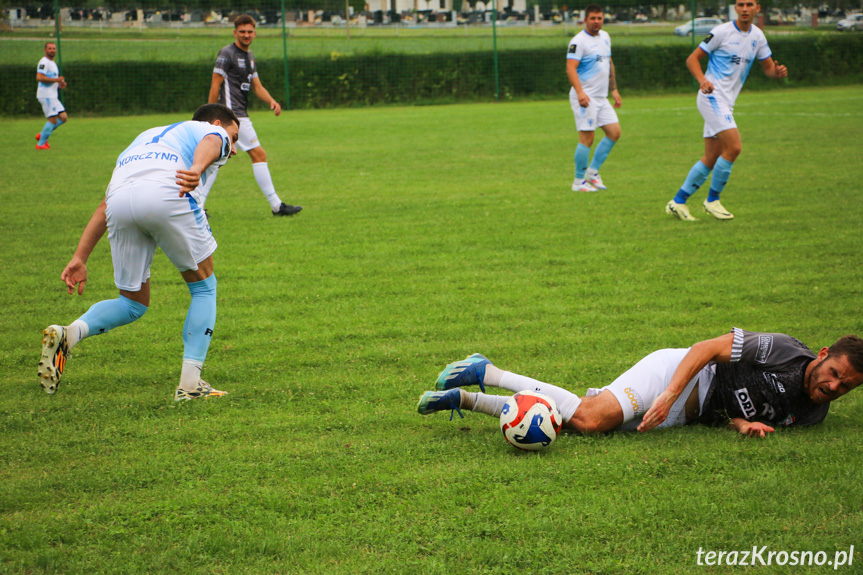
(582, 157)
(110, 313)
(721, 173)
(696, 177)
(601, 153)
(45, 133)
(200, 319)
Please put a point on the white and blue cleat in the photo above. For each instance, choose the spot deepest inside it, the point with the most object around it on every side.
(433, 401)
(469, 371)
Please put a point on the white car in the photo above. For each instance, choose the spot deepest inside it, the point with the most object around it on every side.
(703, 26)
(852, 22)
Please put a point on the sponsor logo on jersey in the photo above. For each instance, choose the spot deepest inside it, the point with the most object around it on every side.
(241, 62)
(41, 66)
(708, 38)
(773, 380)
(634, 400)
(767, 411)
(735, 59)
(245, 86)
(572, 48)
(765, 346)
(746, 404)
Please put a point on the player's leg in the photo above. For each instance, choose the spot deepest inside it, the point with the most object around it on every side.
(608, 121)
(248, 142)
(456, 399)
(725, 148)
(55, 116)
(585, 123)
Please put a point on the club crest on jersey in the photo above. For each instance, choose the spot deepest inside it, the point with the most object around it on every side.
(765, 346)
(745, 402)
(754, 44)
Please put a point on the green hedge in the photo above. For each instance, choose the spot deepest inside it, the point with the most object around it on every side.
(139, 87)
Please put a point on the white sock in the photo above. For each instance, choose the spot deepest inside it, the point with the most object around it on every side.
(75, 332)
(483, 403)
(204, 190)
(567, 402)
(492, 375)
(190, 376)
(265, 182)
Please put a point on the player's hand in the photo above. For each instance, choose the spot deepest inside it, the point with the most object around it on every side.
(617, 101)
(74, 274)
(583, 100)
(707, 86)
(188, 180)
(276, 108)
(658, 412)
(755, 429)
(781, 71)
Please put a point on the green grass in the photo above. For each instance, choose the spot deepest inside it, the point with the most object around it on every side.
(428, 234)
(202, 44)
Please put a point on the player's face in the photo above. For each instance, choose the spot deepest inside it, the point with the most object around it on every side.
(593, 22)
(832, 377)
(244, 35)
(746, 10)
(50, 51)
(234, 133)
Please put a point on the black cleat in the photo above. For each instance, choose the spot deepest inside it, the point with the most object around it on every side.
(287, 210)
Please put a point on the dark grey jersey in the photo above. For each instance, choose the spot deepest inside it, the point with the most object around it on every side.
(763, 382)
(238, 69)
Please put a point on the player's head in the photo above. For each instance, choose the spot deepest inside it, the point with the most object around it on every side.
(244, 31)
(220, 115)
(50, 50)
(593, 18)
(746, 10)
(837, 370)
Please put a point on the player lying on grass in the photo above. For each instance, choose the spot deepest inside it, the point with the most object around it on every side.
(151, 202)
(750, 381)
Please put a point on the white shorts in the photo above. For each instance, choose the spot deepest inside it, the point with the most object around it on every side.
(51, 107)
(248, 139)
(638, 388)
(143, 215)
(599, 112)
(717, 113)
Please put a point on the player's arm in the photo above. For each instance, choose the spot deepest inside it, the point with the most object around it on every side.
(209, 150)
(40, 77)
(612, 84)
(699, 355)
(693, 63)
(264, 95)
(750, 428)
(772, 69)
(75, 272)
(215, 87)
(572, 72)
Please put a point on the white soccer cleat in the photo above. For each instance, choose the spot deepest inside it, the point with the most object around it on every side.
(55, 351)
(679, 211)
(203, 390)
(716, 210)
(582, 186)
(595, 180)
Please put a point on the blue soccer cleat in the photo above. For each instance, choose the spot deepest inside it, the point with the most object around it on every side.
(432, 401)
(469, 371)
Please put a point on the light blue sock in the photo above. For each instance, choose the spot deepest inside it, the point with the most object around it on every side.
(45, 133)
(601, 153)
(582, 157)
(110, 313)
(721, 173)
(697, 176)
(200, 320)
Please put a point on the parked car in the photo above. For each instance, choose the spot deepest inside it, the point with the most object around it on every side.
(703, 26)
(852, 22)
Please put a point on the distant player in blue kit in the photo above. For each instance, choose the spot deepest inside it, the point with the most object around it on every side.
(151, 202)
(731, 48)
(591, 73)
(234, 75)
(749, 381)
(50, 81)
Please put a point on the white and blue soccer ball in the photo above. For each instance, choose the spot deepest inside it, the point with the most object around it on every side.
(530, 420)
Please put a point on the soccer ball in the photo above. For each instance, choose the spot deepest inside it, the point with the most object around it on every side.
(530, 420)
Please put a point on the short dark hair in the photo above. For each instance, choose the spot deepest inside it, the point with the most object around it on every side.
(210, 112)
(592, 9)
(851, 347)
(244, 19)
(46, 44)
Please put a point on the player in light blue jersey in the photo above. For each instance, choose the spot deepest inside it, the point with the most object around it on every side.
(591, 74)
(50, 81)
(731, 48)
(151, 202)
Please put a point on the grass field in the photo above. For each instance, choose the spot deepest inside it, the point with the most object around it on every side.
(202, 44)
(428, 234)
